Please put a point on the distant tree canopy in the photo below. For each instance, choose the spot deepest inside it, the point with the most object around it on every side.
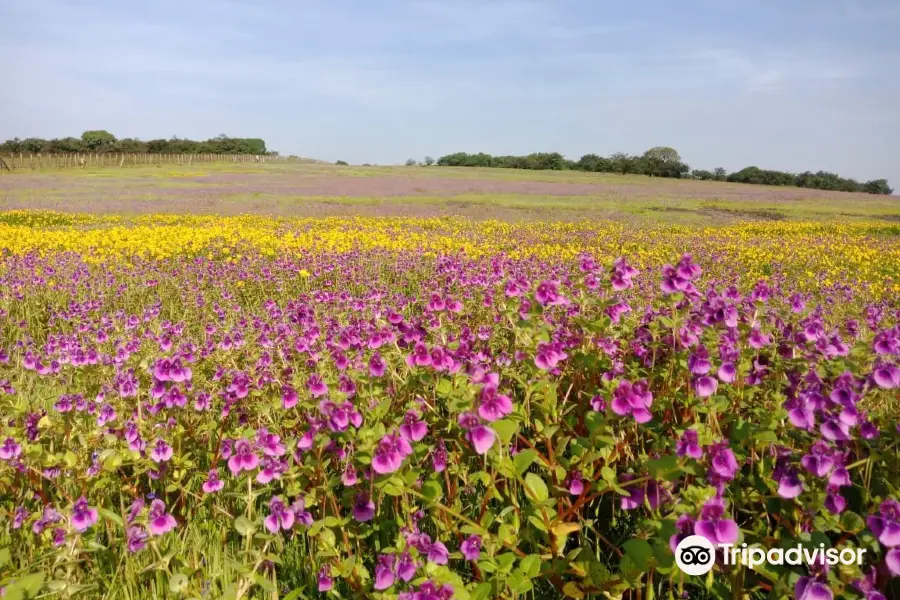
(101, 140)
(663, 161)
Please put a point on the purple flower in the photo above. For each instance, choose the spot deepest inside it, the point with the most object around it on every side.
(886, 376)
(363, 508)
(868, 585)
(722, 465)
(377, 365)
(288, 397)
(160, 522)
(684, 527)
(471, 547)
(406, 567)
(162, 452)
(279, 517)
(10, 449)
(548, 356)
(698, 361)
(482, 438)
(325, 581)
(818, 461)
(270, 443)
(886, 524)
(83, 516)
(438, 553)
(789, 485)
(634, 499)
(384, 572)
(390, 453)
(19, 518)
(688, 445)
(493, 406)
(243, 459)
(575, 483)
(316, 386)
(727, 372)
(713, 527)
(439, 457)
(835, 502)
(810, 588)
(303, 516)
(136, 538)
(413, 429)
(107, 414)
(349, 476)
(48, 517)
(59, 536)
(634, 399)
(892, 560)
(212, 484)
(705, 386)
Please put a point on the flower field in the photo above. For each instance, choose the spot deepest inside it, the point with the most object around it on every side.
(433, 408)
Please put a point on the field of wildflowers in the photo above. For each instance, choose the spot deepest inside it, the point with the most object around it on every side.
(423, 408)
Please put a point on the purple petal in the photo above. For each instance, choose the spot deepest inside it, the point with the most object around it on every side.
(482, 438)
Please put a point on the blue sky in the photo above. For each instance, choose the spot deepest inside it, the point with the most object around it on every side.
(787, 84)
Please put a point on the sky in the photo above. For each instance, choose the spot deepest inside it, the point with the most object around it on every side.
(785, 84)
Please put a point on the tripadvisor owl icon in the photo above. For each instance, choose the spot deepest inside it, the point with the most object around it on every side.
(695, 555)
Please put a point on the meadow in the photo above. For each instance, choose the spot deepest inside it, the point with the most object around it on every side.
(430, 383)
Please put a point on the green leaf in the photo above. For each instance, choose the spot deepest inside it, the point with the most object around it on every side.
(530, 566)
(535, 488)
(294, 595)
(523, 460)
(391, 488)
(537, 523)
(609, 475)
(25, 587)
(505, 430)
(444, 387)
(519, 584)
(4, 557)
(108, 514)
(70, 459)
(112, 462)
(664, 467)
(852, 522)
(432, 490)
(767, 436)
(178, 583)
(482, 592)
(505, 561)
(244, 526)
(639, 551)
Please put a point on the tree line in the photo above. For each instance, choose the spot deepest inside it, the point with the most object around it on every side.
(663, 161)
(103, 141)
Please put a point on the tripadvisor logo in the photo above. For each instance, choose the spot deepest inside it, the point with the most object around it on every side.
(695, 555)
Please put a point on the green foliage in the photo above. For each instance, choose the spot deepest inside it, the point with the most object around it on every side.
(662, 161)
(103, 141)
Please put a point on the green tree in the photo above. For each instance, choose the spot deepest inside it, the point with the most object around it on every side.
(878, 186)
(428, 161)
(98, 140)
(663, 161)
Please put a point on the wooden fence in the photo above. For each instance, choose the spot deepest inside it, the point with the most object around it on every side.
(16, 161)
